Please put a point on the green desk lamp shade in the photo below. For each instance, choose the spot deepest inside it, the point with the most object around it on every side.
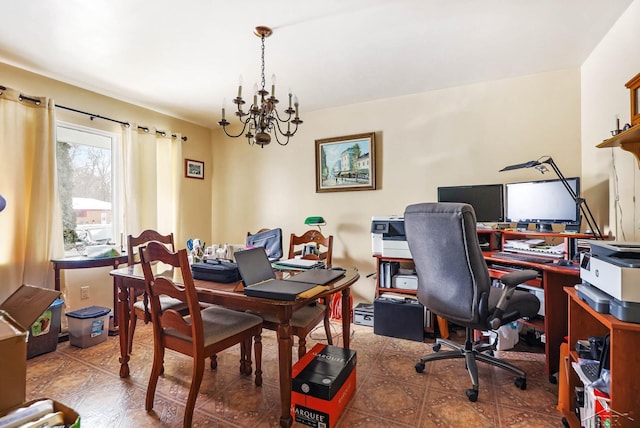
(315, 221)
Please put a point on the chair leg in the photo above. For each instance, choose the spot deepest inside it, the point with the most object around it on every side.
(214, 362)
(245, 357)
(156, 370)
(302, 347)
(257, 340)
(472, 354)
(133, 320)
(196, 380)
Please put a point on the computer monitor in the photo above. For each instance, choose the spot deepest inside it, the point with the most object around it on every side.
(487, 200)
(543, 202)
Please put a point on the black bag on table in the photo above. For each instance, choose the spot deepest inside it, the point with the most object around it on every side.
(215, 270)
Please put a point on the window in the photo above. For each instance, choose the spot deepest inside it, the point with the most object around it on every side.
(85, 162)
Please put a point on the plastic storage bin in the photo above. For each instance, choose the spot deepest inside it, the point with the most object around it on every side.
(44, 332)
(88, 326)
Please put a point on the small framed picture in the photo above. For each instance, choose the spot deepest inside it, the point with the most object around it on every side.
(193, 169)
(346, 163)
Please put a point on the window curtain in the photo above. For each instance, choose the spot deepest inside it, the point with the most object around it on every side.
(151, 181)
(31, 224)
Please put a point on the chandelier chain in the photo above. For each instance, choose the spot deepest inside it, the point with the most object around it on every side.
(262, 69)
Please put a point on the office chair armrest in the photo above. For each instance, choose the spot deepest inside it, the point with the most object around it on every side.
(510, 281)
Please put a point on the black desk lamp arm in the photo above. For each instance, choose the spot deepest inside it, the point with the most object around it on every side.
(581, 202)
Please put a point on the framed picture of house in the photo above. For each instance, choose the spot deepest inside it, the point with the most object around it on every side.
(346, 163)
(193, 169)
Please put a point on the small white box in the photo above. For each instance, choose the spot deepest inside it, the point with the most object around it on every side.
(88, 326)
(406, 282)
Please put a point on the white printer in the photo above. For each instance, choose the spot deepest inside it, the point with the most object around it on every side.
(388, 237)
(614, 268)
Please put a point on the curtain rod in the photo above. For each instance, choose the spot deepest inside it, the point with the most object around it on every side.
(36, 101)
(127, 124)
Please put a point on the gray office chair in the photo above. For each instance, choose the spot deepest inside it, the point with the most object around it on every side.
(454, 282)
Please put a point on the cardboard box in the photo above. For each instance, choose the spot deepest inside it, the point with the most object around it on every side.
(71, 417)
(17, 313)
(323, 382)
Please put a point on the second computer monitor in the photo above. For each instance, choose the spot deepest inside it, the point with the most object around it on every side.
(486, 200)
(543, 202)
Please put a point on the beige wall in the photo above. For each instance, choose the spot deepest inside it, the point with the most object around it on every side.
(462, 135)
(612, 171)
(196, 193)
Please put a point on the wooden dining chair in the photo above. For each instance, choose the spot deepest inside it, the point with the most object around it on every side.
(305, 319)
(201, 334)
(138, 300)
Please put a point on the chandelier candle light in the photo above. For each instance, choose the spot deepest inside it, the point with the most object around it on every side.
(263, 119)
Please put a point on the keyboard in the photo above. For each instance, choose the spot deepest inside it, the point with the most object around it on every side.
(591, 370)
(522, 257)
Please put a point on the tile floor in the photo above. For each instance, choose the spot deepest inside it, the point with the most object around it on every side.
(389, 392)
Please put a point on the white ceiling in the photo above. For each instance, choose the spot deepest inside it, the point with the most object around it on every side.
(184, 57)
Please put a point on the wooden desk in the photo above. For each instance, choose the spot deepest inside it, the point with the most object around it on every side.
(553, 279)
(224, 295)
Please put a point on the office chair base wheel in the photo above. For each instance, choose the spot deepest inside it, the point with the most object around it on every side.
(521, 383)
(419, 367)
(436, 347)
(472, 395)
(553, 379)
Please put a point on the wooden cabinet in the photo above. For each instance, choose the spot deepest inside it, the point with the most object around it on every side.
(405, 264)
(624, 360)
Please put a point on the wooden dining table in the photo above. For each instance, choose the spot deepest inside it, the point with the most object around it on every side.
(231, 296)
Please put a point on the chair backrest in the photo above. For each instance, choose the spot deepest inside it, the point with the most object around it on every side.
(134, 242)
(453, 279)
(190, 328)
(325, 250)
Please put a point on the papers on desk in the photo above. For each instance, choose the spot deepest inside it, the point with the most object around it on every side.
(297, 264)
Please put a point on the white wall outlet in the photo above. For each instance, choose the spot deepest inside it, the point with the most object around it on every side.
(84, 292)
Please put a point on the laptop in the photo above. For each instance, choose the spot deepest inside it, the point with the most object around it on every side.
(318, 276)
(593, 370)
(260, 279)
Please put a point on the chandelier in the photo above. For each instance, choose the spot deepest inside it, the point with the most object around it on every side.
(263, 118)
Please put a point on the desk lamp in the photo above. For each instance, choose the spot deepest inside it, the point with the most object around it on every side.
(315, 221)
(539, 164)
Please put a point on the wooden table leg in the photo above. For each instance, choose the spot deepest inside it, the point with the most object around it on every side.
(285, 364)
(346, 317)
(123, 325)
